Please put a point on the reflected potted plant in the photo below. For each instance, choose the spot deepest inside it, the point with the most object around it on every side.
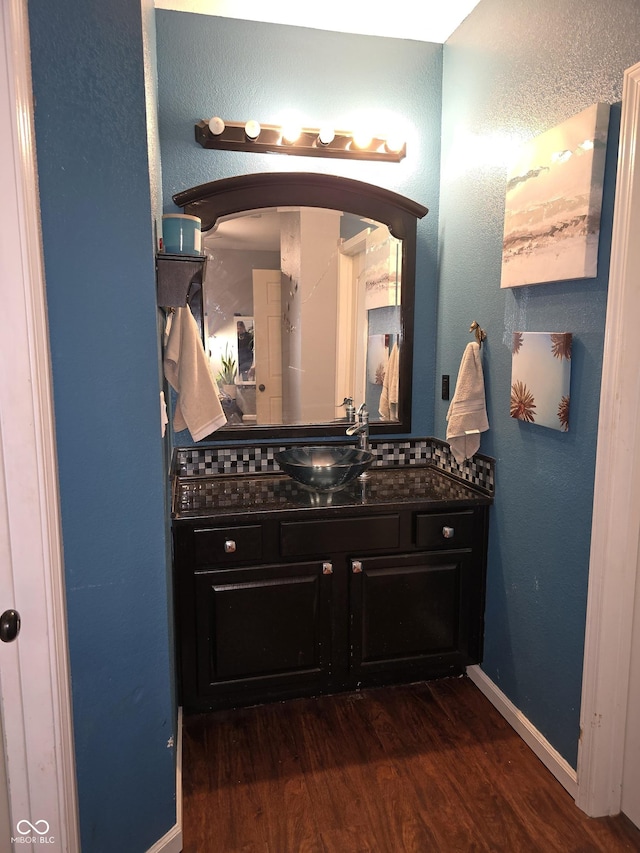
(227, 373)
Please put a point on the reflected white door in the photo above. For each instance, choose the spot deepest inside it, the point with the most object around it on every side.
(267, 310)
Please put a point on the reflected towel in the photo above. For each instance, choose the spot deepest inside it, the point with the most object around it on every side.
(467, 415)
(388, 407)
(187, 370)
(164, 418)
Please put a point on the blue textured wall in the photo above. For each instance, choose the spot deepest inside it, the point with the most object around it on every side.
(99, 266)
(512, 70)
(240, 70)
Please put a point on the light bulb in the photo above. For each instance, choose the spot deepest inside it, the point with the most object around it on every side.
(326, 135)
(362, 138)
(394, 143)
(252, 129)
(291, 132)
(216, 125)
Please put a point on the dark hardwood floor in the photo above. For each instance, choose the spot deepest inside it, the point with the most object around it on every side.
(425, 768)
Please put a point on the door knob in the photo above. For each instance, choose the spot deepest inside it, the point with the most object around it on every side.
(356, 566)
(261, 387)
(9, 626)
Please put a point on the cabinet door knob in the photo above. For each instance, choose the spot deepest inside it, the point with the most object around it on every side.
(356, 566)
(448, 532)
(327, 568)
(229, 546)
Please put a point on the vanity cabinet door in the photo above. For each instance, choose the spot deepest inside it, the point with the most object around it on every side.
(410, 616)
(262, 633)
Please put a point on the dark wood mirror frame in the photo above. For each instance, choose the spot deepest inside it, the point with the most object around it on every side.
(305, 189)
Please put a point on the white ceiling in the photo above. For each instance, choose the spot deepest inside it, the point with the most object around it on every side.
(419, 20)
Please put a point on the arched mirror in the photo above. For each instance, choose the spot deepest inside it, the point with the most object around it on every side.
(307, 301)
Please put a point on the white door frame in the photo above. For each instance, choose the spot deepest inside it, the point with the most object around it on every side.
(34, 670)
(616, 508)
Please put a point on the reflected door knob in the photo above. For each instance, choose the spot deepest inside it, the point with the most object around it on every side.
(9, 626)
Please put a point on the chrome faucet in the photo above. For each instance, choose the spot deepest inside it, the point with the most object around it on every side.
(361, 428)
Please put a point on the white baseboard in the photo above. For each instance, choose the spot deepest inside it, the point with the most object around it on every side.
(171, 842)
(552, 760)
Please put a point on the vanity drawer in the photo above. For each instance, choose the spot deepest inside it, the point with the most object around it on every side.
(298, 538)
(227, 545)
(447, 530)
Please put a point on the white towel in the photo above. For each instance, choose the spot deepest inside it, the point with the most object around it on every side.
(467, 415)
(164, 419)
(388, 407)
(187, 370)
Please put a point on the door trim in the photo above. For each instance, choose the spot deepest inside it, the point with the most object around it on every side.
(35, 686)
(616, 509)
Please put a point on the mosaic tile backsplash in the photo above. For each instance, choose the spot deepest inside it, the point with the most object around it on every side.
(243, 459)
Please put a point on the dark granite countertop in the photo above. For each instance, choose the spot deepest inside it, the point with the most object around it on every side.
(405, 485)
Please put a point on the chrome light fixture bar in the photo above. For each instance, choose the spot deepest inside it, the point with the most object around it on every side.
(311, 142)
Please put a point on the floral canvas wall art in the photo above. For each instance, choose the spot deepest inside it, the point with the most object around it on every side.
(553, 202)
(540, 378)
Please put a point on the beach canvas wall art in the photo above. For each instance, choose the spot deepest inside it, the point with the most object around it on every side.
(540, 378)
(553, 203)
(383, 262)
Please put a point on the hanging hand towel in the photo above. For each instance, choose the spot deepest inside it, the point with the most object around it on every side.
(187, 370)
(388, 407)
(467, 415)
(164, 419)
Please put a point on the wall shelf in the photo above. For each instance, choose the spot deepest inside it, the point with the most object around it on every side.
(178, 277)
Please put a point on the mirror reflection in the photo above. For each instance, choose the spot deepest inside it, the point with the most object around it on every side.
(302, 315)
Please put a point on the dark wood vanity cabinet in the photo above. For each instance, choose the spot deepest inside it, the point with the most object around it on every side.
(273, 606)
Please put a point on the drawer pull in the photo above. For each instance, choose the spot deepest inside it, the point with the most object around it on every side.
(229, 546)
(327, 568)
(448, 532)
(356, 566)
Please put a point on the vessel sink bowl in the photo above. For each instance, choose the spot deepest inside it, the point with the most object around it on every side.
(324, 468)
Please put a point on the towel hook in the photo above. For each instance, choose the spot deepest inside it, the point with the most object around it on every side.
(481, 335)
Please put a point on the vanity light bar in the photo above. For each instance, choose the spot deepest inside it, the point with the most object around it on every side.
(268, 139)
